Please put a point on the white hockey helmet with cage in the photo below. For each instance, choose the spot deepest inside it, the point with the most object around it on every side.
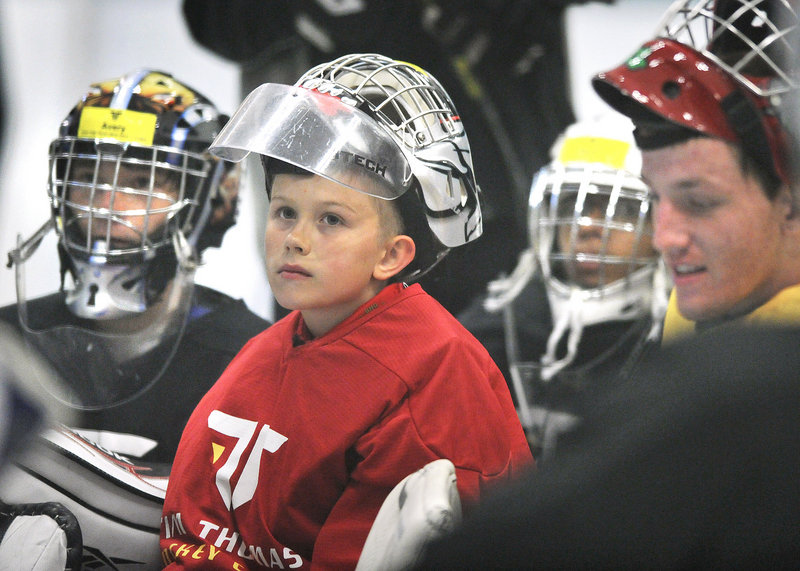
(374, 124)
(592, 184)
(592, 181)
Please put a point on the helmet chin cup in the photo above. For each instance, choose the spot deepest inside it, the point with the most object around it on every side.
(103, 291)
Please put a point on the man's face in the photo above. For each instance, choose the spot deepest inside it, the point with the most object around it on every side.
(719, 234)
(586, 237)
(124, 214)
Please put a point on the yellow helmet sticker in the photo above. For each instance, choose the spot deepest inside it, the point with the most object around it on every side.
(413, 66)
(609, 152)
(120, 124)
(165, 89)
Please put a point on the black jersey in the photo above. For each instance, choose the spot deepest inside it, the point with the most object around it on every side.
(218, 327)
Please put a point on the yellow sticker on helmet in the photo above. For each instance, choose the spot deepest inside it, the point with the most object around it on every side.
(120, 124)
(611, 152)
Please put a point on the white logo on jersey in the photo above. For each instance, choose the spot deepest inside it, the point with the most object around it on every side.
(243, 431)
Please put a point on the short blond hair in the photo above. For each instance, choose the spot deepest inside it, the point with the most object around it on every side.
(391, 221)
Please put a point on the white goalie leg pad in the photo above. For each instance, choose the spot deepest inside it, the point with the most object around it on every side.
(424, 506)
(33, 543)
(117, 504)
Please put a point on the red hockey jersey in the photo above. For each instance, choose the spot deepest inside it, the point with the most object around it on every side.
(287, 459)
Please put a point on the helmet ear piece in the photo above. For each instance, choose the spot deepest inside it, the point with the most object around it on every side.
(786, 110)
(748, 125)
(429, 250)
(223, 207)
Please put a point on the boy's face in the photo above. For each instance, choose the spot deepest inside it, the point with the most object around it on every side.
(323, 243)
(589, 240)
(719, 234)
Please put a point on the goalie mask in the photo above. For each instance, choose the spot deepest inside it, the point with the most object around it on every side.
(590, 237)
(379, 126)
(132, 189)
(591, 233)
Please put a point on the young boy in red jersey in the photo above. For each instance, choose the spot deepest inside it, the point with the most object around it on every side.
(288, 458)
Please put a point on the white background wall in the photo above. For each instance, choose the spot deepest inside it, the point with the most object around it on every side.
(53, 49)
(600, 37)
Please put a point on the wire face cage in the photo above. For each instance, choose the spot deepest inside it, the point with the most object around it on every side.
(119, 200)
(407, 100)
(577, 212)
(747, 38)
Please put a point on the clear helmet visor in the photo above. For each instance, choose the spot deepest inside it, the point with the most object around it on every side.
(319, 133)
(107, 363)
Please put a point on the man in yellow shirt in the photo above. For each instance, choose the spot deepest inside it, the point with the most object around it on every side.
(713, 122)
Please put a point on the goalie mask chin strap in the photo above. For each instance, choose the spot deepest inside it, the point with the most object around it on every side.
(570, 319)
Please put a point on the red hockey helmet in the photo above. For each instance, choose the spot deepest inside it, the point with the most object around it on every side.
(668, 80)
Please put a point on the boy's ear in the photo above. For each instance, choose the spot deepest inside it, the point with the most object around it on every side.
(791, 196)
(400, 251)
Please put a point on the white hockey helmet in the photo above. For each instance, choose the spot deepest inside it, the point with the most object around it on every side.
(383, 127)
(590, 236)
(592, 182)
(590, 230)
